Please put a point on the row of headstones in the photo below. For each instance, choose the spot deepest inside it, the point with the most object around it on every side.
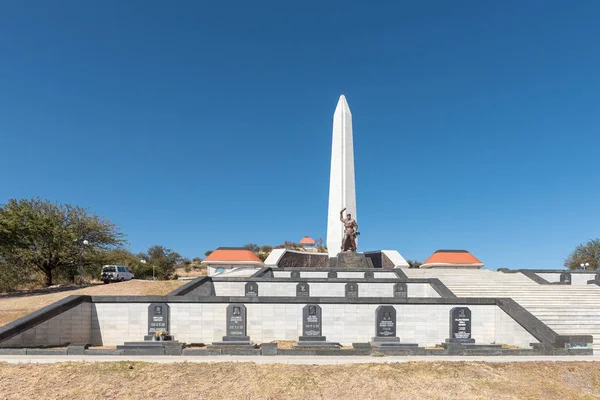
(312, 322)
(303, 290)
(333, 274)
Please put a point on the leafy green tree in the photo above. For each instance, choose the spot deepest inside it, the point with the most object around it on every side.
(414, 263)
(585, 253)
(164, 260)
(36, 233)
(208, 253)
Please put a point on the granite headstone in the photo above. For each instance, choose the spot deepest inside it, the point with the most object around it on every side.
(352, 290)
(312, 323)
(158, 318)
(385, 321)
(251, 289)
(460, 325)
(236, 320)
(302, 290)
(400, 290)
(236, 324)
(565, 278)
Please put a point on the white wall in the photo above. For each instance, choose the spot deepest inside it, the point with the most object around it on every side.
(324, 289)
(114, 324)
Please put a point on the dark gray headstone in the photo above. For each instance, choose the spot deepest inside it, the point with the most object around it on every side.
(369, 275)
(312, 329)
(302, 290)
(295, 274)
(565, 277)
(158, 318)
(460, 325)
(352, 290)
(236, 320)
(251, 289)
(385, 321)
(400, 290)
(332, 274)
(312, 322)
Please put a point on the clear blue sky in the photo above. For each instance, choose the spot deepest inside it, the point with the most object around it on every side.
(202, 124)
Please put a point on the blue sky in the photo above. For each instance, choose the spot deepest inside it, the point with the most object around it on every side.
(203, 124)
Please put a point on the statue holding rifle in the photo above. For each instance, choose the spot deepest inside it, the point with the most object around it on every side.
(350, 232)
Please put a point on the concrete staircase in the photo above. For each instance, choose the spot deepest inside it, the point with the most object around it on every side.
(567, 309)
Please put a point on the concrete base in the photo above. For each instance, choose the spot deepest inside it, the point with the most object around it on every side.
(463, 341)
(390, 342)
(149, 348)
(315, 341)
(234, 341)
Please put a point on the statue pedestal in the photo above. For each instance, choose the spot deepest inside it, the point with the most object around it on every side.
(350, 260)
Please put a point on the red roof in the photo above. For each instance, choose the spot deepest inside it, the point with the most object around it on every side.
(232, 254)
(452, 257)
(307, 240)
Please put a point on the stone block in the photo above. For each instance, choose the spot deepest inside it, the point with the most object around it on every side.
(268, 349)
(352, 260)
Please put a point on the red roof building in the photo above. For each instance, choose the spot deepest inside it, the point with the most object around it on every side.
(452, 259)
(232, 255)
(307, 241)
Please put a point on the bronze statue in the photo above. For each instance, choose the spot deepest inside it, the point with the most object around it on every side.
(350, 232)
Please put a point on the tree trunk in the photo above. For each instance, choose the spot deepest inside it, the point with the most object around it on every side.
(48, 272)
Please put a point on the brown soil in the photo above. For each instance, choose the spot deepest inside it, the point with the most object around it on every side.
(12, 308)
(412, 380)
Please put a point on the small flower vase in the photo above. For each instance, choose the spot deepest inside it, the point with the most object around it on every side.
(161, 338)
(154, 338)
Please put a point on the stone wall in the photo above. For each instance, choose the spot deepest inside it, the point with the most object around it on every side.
(71, 326)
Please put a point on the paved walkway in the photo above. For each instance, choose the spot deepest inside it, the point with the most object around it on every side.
(305, 360)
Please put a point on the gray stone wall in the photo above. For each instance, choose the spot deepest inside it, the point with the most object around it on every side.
(72, 326)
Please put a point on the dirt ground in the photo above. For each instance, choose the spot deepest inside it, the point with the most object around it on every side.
(413, 380)
(13, 307)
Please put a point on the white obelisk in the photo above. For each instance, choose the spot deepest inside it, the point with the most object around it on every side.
(342, 193)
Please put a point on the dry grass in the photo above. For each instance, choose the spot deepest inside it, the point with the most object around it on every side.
(192, 273)
(413, 380)
(12, 308)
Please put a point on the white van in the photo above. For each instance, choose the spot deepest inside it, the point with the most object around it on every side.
(115, 273)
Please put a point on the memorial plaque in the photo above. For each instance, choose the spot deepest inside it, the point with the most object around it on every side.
(597, 277)
(158, 318)
(251, 289)
(565, 277)
(400, 290)
(369, 275)
(460, 325)
(385, 321)
(302, 290)
(295, 275)
(236, 320)
(332, 274)
(312, 323)
(351, 290)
